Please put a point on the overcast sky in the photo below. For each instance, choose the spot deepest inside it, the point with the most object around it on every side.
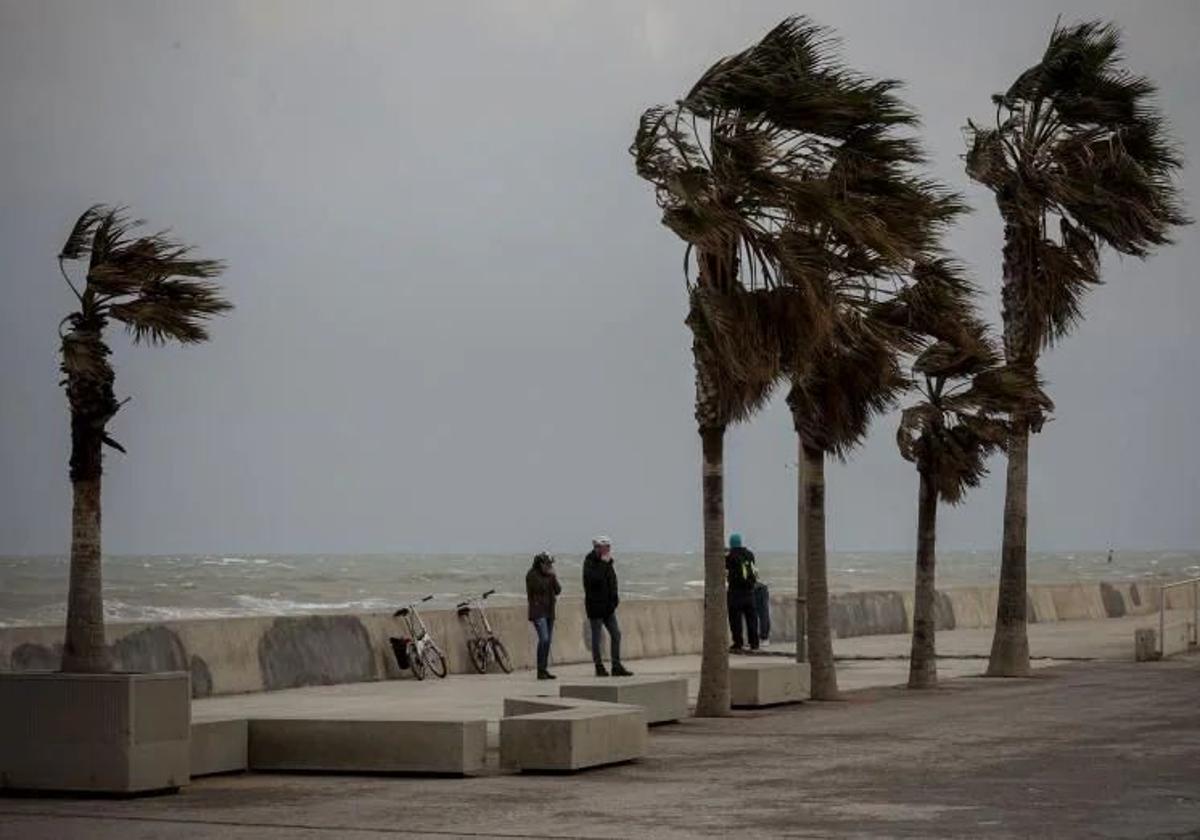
(459, 323)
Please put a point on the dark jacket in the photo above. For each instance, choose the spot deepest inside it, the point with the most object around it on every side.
(543, 589)
(740, 573)
(600, 597)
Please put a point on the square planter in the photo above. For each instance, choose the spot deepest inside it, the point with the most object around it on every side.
(118, 733)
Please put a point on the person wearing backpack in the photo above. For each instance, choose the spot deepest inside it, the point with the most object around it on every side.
(741, 576)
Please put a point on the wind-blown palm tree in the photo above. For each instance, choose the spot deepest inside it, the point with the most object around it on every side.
(961, 419)
(1078, 158)
(855, 233)
(729, 161)
(151, 285)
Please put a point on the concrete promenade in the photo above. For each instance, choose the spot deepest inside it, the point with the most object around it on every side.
(1096, 748)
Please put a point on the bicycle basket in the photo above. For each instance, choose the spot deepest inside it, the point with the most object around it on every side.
(400, 651)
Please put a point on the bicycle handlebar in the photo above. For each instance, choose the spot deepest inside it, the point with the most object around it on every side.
(426, 598)
(489, 592)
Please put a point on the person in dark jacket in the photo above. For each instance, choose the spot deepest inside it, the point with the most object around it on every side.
(741, 576)
(542, 588)
(762, 610)
(601, 600)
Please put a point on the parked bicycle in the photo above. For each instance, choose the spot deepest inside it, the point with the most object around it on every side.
(418, 651)
(483, 644)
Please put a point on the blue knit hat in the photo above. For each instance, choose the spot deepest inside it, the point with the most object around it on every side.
(735, 540)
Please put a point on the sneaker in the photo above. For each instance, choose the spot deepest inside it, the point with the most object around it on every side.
(546, 675)
(765, 642)
(601, 671)
(619, 671)
(735, 649)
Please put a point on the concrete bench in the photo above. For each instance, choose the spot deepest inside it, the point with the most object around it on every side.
(568, 734)
(763, 682)
(365, 745)
(663, 699)
(218, 746)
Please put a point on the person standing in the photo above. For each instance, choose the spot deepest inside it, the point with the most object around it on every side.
(762, 611)
(740, 577)
(600, 601)
(542, 588)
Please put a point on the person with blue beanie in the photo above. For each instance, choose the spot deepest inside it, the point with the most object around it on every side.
(741, 576)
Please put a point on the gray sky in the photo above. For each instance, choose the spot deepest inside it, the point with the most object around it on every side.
(459, 323)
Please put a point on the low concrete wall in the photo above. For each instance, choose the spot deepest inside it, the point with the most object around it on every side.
(230, 656)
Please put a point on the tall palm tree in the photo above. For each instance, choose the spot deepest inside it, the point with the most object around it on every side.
(151, 285)
(729, 162)
(863, 227)
(1078, 158)
(965, 394)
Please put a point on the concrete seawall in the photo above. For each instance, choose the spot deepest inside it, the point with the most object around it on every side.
(230, 656)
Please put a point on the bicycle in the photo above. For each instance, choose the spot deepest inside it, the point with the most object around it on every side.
(420, 650)
(483, 644)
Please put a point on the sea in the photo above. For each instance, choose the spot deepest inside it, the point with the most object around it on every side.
(169, 587)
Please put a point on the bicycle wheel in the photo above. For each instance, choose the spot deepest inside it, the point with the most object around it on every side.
(435, 660)
(501, 653)
(479, 655)
(415, 662)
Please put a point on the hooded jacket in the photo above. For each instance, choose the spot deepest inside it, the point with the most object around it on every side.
(600, 597)
(542, 588)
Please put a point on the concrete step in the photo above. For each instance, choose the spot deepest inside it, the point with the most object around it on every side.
(664, 699)
(563, 734)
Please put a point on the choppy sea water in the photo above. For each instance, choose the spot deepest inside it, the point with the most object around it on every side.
(157, 588)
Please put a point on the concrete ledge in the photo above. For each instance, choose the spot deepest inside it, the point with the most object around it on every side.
(663, 699)
(760, 682)
(566, 734)
(454, 747)
(219, 746)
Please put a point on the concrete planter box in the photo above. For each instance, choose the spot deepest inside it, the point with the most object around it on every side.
(94, 733)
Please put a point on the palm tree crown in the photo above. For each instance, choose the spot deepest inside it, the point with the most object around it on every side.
(1079, 157)
(150, 284)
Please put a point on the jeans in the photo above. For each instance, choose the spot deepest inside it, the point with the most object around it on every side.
(609, 623)
(762, 607)
(544, 627)
(741, 608)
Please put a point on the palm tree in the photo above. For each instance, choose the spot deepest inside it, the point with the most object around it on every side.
(728, 162)
(151, 285)
(966, 393)
(1078, 158)
(861, 228)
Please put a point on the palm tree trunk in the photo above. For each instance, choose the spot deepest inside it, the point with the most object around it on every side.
(1010, 643)
(820, 631)
(83, 650)
(922, 665)
(713, 700)
(801, 556)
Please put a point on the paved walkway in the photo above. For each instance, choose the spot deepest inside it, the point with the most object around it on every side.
(868, 662)
(1098, 748)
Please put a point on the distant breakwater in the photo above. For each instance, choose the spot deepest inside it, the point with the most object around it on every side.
(267, 653)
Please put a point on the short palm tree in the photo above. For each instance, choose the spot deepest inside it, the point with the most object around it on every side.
(151, 284)
(965, 394)
(1078, 158)
(837, 389)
